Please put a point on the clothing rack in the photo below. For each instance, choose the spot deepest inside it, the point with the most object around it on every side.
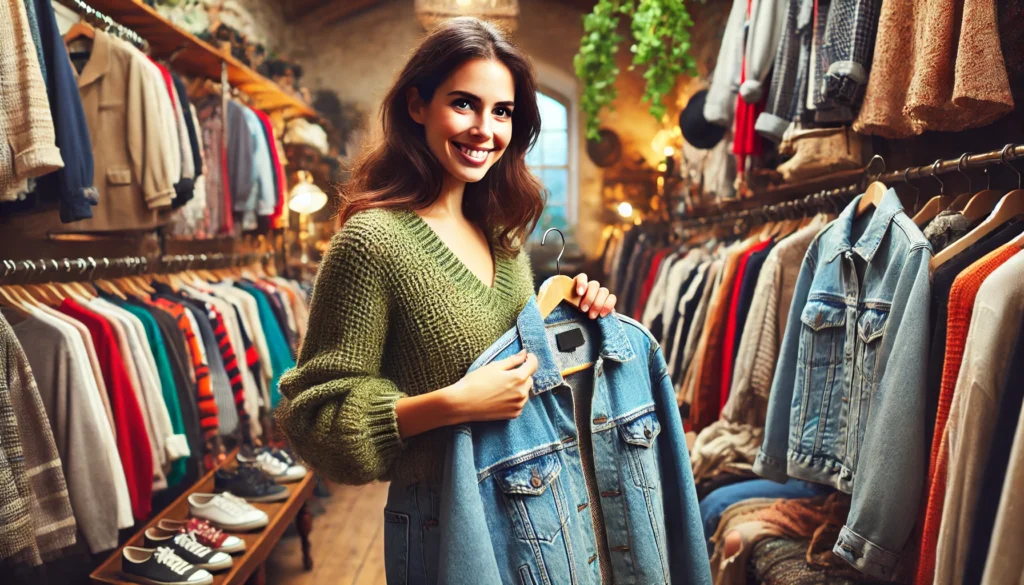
(70, 269)
(119, 29)
(834, 199)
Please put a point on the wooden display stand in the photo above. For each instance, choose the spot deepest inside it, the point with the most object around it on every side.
(249, 566)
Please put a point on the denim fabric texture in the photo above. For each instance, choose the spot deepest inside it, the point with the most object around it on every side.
(411, 533)
(847, 403)
(520, 505)
(716, 502)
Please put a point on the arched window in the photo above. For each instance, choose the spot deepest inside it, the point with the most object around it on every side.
(552, 160)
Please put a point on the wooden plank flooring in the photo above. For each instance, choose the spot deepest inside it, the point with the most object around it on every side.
(347, 541)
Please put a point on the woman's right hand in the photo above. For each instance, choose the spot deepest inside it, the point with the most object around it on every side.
(497, 391)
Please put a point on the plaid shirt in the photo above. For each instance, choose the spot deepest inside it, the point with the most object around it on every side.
(788, 93)
(846, 51)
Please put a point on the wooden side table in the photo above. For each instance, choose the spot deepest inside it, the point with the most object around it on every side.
(248, 566)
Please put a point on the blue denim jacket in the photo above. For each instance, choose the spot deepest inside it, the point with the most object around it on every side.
(516, 507)
(847, 402)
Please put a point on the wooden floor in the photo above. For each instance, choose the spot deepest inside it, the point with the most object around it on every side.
(347, 541)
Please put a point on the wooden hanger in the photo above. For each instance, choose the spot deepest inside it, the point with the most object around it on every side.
(1009, 207)
(558, 288)
(936, 204)
(80, 30)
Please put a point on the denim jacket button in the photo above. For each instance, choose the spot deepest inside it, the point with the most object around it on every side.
(535, 481)
(647, 432)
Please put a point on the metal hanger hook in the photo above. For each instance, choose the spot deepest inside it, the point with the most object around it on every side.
(558, 261)
(959, 168)
(917, 192)
(935, 175)
(1002, 159)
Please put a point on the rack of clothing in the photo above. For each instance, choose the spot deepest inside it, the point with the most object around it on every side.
(848, 345)
(125, 377)
(205, 169)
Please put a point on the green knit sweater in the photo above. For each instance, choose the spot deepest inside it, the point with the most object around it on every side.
(393, 313)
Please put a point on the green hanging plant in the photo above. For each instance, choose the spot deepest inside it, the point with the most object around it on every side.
(661, 34)
(661, 29)
(595, 62)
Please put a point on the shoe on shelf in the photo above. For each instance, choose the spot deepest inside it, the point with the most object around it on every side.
(205, 533)
(187, 547)
(227, 512)
(161, 567)
(279, 467)
(251, 483)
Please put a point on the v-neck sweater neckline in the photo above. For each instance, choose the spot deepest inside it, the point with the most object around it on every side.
(453, 265)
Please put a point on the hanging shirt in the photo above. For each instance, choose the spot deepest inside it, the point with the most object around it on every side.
(133, 443)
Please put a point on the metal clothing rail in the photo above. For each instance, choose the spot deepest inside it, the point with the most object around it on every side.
(835, 199)
(47, 269)
(121, 30)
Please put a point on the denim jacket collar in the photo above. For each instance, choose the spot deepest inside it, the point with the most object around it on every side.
(837, 240)
(530, 325)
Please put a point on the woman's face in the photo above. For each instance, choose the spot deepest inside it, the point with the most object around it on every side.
(468, 124)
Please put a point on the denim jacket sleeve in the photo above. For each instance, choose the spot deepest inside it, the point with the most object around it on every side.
(467, 554)
(687, 553)
(771, 459)
(887, 493)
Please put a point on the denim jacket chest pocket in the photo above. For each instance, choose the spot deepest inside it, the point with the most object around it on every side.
(639, 435)
(534, 498)
(824, 334)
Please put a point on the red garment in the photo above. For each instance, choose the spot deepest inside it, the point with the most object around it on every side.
(746, 140)
(132, 440)
(227, 225)
(276, 217)
(730, 324)
(645, 290)
(170, 84)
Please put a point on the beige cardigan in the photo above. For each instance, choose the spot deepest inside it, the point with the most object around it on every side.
(25, 119)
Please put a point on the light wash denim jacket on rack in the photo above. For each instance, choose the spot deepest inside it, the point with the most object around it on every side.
(847, 402)
(515, 507)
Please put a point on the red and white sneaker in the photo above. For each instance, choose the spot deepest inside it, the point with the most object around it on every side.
(206, 534)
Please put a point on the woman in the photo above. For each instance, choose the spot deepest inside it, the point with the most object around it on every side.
(425, 274)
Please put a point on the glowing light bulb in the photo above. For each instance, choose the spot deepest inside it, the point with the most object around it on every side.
(669, 151)
(625, 209)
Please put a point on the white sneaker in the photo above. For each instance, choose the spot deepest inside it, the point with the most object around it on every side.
(226, 511)
(276, 468)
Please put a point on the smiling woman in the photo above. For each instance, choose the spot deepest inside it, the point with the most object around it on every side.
(426, 273)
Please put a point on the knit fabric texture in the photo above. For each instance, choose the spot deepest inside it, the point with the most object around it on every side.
(961, 304)
(394, 313)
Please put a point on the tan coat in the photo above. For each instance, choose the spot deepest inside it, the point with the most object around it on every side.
(134, 173)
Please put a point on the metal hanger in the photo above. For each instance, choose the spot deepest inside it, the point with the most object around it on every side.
(557, 288)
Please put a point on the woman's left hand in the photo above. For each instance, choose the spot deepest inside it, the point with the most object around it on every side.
(597, 301)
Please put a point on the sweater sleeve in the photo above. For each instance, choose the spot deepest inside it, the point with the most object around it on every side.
(339, 410)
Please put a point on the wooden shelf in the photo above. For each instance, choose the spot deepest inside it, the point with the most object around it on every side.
(257, 544)
(195, 57)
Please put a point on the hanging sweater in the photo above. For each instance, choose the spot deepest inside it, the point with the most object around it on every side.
(394, 312)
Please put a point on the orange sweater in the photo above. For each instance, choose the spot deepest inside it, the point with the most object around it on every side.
(961, 305)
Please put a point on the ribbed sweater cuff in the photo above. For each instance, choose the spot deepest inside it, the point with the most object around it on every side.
(382, 424)
(37, 162)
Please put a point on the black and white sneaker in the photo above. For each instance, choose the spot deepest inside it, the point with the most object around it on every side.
(251, 483)
(187, 547)
(279, 466)
(161, 567)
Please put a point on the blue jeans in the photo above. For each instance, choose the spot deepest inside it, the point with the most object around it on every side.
(411, 534)
(712, 507)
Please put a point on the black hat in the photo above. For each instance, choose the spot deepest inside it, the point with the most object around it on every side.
(696, 129)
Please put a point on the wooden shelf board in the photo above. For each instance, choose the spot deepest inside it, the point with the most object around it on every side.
(195, 57)
(258, 544)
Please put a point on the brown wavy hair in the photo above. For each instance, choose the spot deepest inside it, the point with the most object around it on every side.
(400, 171)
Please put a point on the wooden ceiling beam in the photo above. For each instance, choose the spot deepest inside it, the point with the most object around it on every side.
(331, 11)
